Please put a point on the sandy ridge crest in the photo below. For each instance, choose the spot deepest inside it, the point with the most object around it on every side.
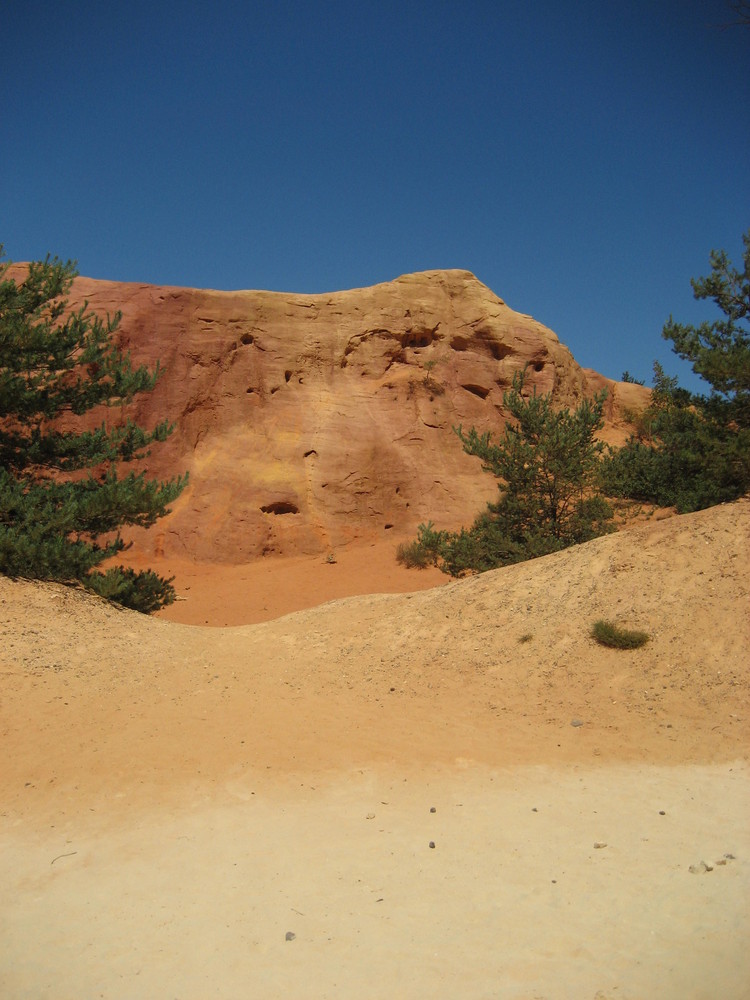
(492, 668)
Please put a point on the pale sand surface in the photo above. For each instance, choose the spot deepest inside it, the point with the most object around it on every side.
(196, 901)
(175, 799)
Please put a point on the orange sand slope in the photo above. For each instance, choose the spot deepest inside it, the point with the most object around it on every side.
(177, 799)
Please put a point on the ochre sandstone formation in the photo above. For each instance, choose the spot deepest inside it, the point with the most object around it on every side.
(307, 422)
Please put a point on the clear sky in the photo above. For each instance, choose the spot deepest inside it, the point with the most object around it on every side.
(581, 158)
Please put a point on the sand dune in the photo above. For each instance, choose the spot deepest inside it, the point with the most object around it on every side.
(247, 811)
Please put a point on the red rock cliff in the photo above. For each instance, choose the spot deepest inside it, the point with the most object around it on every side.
(310, 421)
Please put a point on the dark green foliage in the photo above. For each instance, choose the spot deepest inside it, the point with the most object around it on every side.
(62, 501)
(693, 451)
(412, 555)
(424, 550)
(144, 591)
(684, 459)
(720, 351)
(610, 635)
(546, 463)
(486, 545)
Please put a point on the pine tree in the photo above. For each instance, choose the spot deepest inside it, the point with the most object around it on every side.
(719, 352)
(546, 464)
(63, 499)
(693, 450)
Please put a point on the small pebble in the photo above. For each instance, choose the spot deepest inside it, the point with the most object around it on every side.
(598, 844)
(290, 936)
(433, 809)
(662, 813)
(576, 722)
(432, 844)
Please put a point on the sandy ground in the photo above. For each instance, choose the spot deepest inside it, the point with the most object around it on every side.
(218, 595)
(250, 811)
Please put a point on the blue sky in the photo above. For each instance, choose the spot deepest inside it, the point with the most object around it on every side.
(580, 158)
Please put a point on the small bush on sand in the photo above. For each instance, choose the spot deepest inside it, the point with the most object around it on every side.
(607, 634)
(412, 555)
(425, 550)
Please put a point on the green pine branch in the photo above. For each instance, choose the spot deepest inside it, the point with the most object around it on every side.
(58, 364)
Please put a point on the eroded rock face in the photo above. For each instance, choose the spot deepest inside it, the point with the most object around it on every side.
(310, 421)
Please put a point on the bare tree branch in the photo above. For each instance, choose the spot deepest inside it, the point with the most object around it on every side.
(741, 10)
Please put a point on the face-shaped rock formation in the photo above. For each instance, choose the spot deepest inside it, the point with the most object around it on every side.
(310, 421)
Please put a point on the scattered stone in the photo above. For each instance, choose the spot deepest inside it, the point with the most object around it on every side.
(290, 936)
(534, 809)
(729, 857)
(370, 816)
(700, 868)
(662, 813)
(576, 722)
(598, 844)
(432, 844)
(433, 809)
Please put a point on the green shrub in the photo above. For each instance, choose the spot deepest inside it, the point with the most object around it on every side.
(685, 456)
(144, 591)
(412, 555)
(425, 550)
(692, 451)
(607, 634)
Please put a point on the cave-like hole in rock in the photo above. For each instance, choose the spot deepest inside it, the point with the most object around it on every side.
(499, 351)
(477, 390)
(280, 507)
